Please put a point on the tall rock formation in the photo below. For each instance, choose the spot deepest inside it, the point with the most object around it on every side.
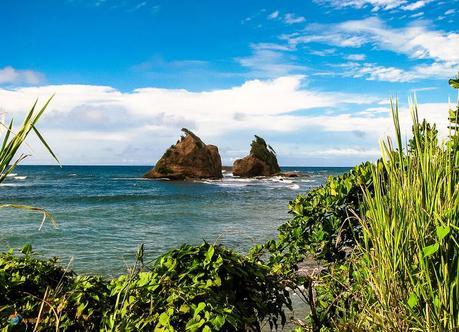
(189, 158)
(261, 161)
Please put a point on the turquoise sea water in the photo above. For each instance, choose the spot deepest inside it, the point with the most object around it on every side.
(105, 212)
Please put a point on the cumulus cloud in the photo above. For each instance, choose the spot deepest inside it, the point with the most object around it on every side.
(84, 123)
(100, 124)
(10, 75)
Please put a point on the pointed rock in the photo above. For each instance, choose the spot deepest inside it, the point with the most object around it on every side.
(189, 158)
(261, 161)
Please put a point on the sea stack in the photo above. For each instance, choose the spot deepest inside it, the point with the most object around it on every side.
(189, 158)
(261, 161)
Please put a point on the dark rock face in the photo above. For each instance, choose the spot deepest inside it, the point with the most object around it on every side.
(261, 161)
(189, 158)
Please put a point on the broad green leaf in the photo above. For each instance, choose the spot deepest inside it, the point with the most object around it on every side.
(199, 308)
(412, 300)
(209, 255)
(430, 250)
(442, 232)
(164, 319)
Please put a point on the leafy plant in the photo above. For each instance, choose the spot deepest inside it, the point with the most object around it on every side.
(192, 288)
(12, 141)
(324, 224)
(10, 145)
(199, 288)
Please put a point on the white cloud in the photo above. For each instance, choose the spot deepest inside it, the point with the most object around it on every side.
(10, 75)
(95, 124)
(267, 61)
(356, 57)
(273, 15)
(417, 15)
(450, 11)
(374, 72)
(416, 5)
(350, 152)
(290, 18)
(99, 124)
(415, 41)
(376, 5)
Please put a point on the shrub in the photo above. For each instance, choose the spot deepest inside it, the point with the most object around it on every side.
(324, 223)
(192, 288)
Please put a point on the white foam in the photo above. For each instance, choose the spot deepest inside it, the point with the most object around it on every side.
(11, 174)
(138, 179)
(235, 185)
(20, 177)
(280, 179)
(294, 187)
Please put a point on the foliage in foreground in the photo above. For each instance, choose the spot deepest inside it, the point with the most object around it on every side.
(193, 288)
(10, 145)
(411, 239)
(404, 273)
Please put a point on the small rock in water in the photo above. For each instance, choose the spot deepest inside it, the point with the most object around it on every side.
(261, 161)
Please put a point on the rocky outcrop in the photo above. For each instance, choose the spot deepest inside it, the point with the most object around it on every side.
(261, 161)
(189, 158)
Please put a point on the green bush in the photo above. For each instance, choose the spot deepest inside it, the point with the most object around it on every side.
(193, 288)
(35, 290)
(324, 222)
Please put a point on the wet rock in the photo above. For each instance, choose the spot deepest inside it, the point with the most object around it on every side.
(261, 161)
(189, 158)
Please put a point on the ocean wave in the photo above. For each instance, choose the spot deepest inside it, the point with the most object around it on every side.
(11, 175)
(280, 179)
(229, 184)
(11, 185)
(20, 177)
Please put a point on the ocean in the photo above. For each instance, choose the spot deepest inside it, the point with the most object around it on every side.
(105, 212)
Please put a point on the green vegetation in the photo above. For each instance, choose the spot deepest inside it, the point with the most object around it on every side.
(10, 145)
(386, 234)
(193, 288)
(403, 272)
(410, 252)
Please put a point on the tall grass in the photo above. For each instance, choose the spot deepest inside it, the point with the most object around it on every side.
(410, 252)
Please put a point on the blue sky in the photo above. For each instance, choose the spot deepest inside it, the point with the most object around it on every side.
(312, 77)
